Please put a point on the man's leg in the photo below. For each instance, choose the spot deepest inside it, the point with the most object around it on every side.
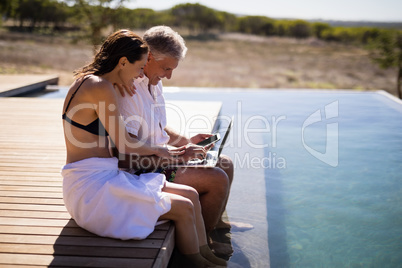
(226, 164)
(212, 184)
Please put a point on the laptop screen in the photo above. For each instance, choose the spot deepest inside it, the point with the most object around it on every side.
(225, 137)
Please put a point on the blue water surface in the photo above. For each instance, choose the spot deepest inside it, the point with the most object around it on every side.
(341, 207)
(317, 173)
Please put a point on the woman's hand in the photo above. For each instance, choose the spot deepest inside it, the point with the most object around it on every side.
(124, 88)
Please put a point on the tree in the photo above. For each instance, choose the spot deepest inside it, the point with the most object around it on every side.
(259, 25)
(99, 14)
(281, 27)
(228, 21)
(386, 50)
(48, 13)
(319, 28)
(141, 18)
(7, 8)
(300, 29)
(196, 17)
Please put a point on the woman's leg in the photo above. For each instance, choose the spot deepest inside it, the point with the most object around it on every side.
(186, 213)
(182, 213)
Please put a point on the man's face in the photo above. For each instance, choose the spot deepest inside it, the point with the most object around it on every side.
(155, 70)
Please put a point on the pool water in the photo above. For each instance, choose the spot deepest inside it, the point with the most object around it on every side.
(317, 173)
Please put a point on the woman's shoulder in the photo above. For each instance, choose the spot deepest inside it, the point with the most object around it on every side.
(98, 83)
(97, 86)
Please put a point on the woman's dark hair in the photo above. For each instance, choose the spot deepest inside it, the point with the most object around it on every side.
(123, 43)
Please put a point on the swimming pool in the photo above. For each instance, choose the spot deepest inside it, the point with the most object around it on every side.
(318, 174)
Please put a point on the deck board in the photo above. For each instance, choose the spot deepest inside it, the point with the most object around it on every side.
(35, 228)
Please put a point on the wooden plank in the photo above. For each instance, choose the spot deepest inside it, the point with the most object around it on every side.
(32, 194)
(54, 171)
(39, 166)
(29, 182)
(32, 207)
(41, 230)
(27, 222)
(23, 266)
(30, 200)
(35, 228)
(20, 188)
(35, 214)
(72, 261)
(83, 241)
(162, 260)
(68, 231)
(78, 250)
(50, 159)
(37, 222)
(24, 174)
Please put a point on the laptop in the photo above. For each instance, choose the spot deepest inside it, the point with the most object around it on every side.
(212, 156)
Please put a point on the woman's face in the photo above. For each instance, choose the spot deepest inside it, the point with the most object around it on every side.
(138, 66)
(134, 70)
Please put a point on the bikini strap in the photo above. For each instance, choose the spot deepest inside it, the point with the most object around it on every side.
(72, 96)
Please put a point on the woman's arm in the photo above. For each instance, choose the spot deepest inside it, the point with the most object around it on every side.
(105, 103)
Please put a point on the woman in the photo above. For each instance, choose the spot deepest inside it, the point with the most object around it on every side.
(99, 197)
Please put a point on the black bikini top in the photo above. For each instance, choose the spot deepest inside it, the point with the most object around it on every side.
(95, 127)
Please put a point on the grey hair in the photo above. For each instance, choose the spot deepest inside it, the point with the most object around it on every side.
(164, 42)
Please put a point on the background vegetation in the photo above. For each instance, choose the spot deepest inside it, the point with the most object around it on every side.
(92, 20)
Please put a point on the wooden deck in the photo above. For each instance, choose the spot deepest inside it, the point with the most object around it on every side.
(13, 85)
(35, 228)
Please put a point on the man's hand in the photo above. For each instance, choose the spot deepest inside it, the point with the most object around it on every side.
(199, 137)
(130, 89)
(194, 152)
(171, 153)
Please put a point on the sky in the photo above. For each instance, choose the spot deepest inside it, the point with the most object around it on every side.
(346, 10)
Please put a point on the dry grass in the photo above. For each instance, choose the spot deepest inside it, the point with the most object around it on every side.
(233, 60)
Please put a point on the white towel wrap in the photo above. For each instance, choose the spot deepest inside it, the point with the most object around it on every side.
(113, 203)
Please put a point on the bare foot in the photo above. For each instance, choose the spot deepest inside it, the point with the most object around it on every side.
(207, 253)
(234, 226)
(222, 225)
(199, 261)
(222, 249)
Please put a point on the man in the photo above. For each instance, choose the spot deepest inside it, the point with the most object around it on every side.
(145, 116)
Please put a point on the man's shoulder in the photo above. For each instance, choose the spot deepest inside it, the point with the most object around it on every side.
(130, 105)
(127, 100)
